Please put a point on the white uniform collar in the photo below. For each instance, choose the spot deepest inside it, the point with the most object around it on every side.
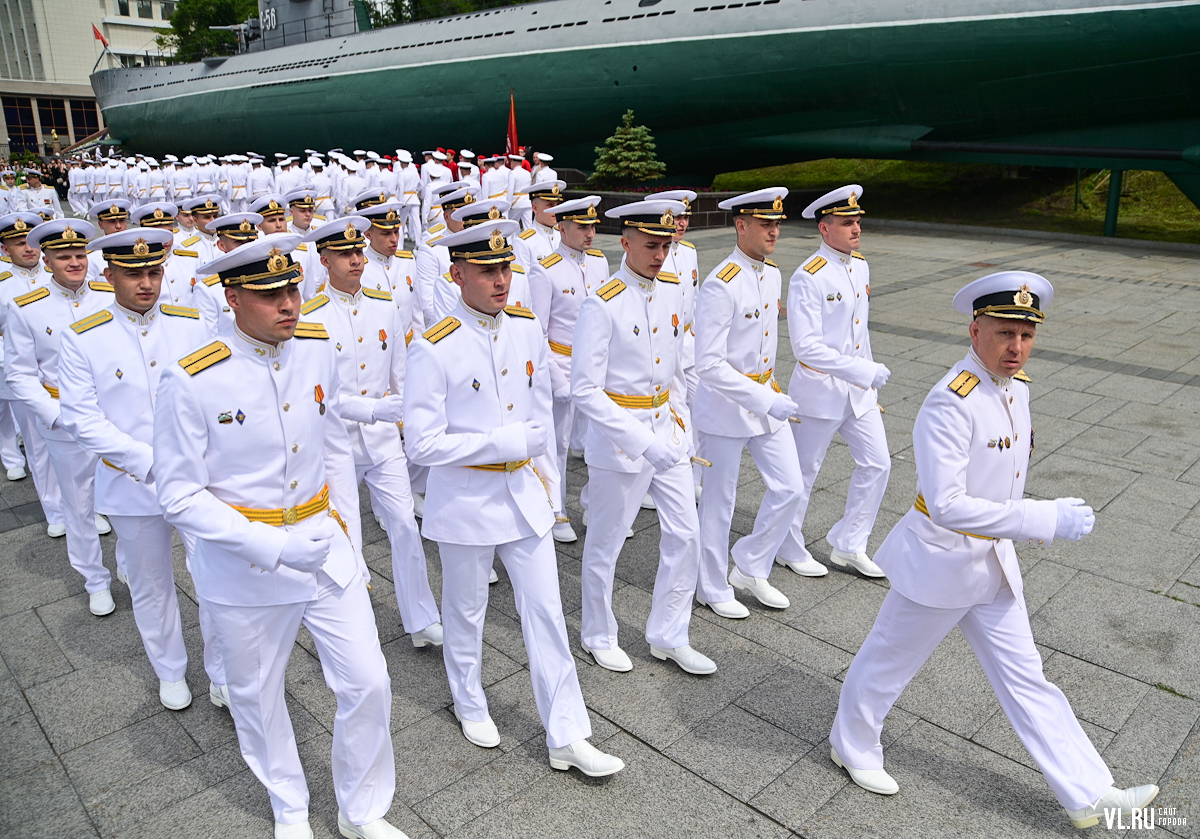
(834, 255)
(293, 228)
(343, 297)
(546, 231)
(757, 264)
(638, 279)
(67, 293)
(374, 254)
(489, 322)
(1001, 382)
(570, 252)
(206, 236)
(135, 318)
(34, 273)
(256, 347)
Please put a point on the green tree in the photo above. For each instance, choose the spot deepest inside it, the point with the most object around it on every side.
(627, 157)
(190, 37)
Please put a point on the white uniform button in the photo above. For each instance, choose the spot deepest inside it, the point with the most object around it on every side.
(295, 447)
(153, 363)
(510, 406)
(276, 365)
(295, 484)
(287, 406)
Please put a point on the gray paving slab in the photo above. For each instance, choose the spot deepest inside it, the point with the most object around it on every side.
(86, 750)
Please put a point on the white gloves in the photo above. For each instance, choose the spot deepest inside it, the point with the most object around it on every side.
(389, 408)
(882, 374)
(783, 407)
(563, 394)
(536, 439)
(307, 552)
(662, 456)
(1075, 519)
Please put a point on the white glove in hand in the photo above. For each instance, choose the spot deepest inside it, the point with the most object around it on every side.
(563, 394)
(662, 456)
(536, 438)
(390, 408)
(881, 376)
(306, 551)
(1075, 519)
(783, 407)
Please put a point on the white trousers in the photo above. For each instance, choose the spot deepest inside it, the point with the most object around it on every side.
(614, 500)
(524, 215)
(256, 642)
(37, 458)
(533, 569)
(775, 456)
(868, 446)
(391, 498)
(10, 452)
(75, 468)
(410, 223)
(565, 416)
(144, 552)
(692, 380)
(214, 666)
(906, 633)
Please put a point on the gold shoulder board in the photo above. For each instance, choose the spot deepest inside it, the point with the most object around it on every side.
(189, 241)
(404, 254)
(729, 272)
(314, 304)
(525, 234)
(517, 268)
(435, 228)
(180, 252)
(100, 285)
(668, 277)
(180, 311)
(46, 268)
(447, 277)
(377, 294)
(5, 276)
(611, 289)
(434, 239)
(91, 321)
(858, 255)
(303, 246)
(1022, 376)
(964, 383)
(7, 259)
(211, 281)
(310, 330)
(32, 296)
(552, 259)
(204, 357)
(686, 243)
(816, 265)
(594, 252)
(771, 262)
(441, 329)
(519, 311)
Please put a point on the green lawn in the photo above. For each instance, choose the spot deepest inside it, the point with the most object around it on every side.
(1031, 199)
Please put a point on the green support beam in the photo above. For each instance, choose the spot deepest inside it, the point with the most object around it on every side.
(1115, 176)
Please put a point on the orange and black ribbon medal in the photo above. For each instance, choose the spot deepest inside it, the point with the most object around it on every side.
(675, 323)
(319, 393)
(529, 370)
(383, 338)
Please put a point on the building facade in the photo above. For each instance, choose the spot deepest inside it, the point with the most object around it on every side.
(47, 52)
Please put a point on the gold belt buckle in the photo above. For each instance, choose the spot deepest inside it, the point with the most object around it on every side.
(290, 516)
(513, 465)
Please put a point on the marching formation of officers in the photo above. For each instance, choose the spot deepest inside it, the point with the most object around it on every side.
(231, 350)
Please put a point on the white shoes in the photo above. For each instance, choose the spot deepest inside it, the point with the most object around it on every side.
(54, 531)
(382, 526)
(218, 696)
(418, 506)
(431, 634)
(688, 659)
(493, 578)
(174, 696)
(763, 591)
(16, 473)
(300, 830)
(859, 561)
(100, 603)
(872, 780)
(483, 734)
(614, 659)
(102, 525)
(805, 568)
(378, 829)
(731, 609)
(628, 535)
(648, 503)
(586, 758)
(1127, 800)
(562, 530)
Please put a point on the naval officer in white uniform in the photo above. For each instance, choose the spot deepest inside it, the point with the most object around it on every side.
(951, 560)
(253, 461)
(836, 381)
(627, 378)
(739, 405)
(478, 414)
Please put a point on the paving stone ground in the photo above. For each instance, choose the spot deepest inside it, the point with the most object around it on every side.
(86, 749)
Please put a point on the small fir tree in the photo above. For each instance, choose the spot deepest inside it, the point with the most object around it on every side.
(627, 157)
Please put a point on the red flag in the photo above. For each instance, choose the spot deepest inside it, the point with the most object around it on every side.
(511, 144)
(96, 34)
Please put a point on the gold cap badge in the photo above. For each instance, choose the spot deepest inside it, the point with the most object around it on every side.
(276, 261)
(158, 213)
(591, 211)
(351, 233)
(494, 213)
(245, 226)
(667, 218)
(497, 242)
(1023, 297)
(777, 205)
(140, 248)
(853, 202)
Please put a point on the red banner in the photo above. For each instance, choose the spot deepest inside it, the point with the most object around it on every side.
(511, 146)
(96, 34)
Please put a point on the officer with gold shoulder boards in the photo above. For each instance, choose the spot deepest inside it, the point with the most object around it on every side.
(38, 198)
(111, 217)
(181, 261)
(231, 232)
(951, 562)
(108, 371)
(739, 405)
(836, 381)
(32, 339)
(433, 260)
(540, 238)
(387, 268)
(252, 460)
(627, 378)
(558, 285)
(302, 209)
(21, 272)
(203, 211)
(478, 414)
(367, 331)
